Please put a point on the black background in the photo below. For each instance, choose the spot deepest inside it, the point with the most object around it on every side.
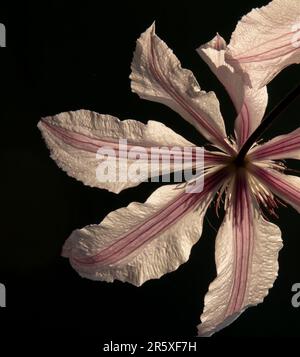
(64, 56)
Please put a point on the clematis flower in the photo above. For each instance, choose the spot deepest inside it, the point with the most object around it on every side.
(146, 240)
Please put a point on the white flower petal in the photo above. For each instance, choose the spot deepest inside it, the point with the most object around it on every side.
(74, 139)
(267, 40)
(250, 103)
(143, 241)
(157, 75)
(247, 249)
(282, 147)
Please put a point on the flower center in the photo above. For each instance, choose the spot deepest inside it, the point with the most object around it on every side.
(240, 162)
(238, 165)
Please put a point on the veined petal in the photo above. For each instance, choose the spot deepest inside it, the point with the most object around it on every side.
(250, 103)
(247, 249)
(143, 241)
(282, 147)
(157, 75)
(75, 138)
(267, 40)
(286, 187)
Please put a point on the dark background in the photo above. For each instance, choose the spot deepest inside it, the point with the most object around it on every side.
(63, 56)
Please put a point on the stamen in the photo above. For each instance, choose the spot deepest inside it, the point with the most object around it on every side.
(263, 195)
(276, 165)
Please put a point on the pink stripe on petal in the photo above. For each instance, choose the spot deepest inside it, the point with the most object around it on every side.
(242, 214)
(249, 103)
(246, 258)
(143, 241)
(266, 41)
(271, 53)
(154, 225)
(282, 147)
(157, 75)
(75, 138)
(166, 84)
(244, 132)
(92, 145)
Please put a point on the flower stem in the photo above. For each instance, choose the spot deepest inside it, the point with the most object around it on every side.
(266, 123)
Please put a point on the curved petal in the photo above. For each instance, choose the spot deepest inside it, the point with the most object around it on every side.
(267, 40)
(286, 187)
(247, 249)
(157, 75)
(250, 103)
(282, 147)
(80, 140)
(143, 241)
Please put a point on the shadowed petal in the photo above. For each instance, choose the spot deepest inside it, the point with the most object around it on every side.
(143, 241)
(250, 103)
(267, 40)
(286, 187)
(247, 249)
(157, 75)
(282, 147)
(74, 139)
